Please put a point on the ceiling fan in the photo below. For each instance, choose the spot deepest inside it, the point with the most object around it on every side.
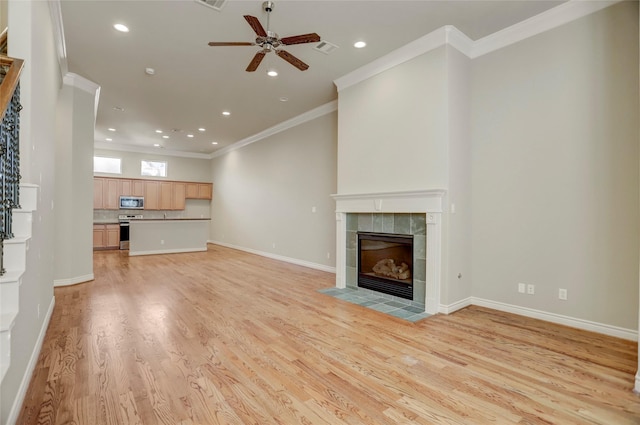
(269, 41)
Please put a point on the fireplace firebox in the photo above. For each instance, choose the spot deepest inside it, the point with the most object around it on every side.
(385, 263)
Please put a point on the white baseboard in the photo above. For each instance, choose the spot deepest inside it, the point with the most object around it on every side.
(636, 389)
(629, 334)
(73, 280)
(166, 251)
(296, 261)
(33, 360)
(448, 309)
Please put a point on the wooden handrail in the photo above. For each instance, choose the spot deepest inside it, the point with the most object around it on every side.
(10, 81)
(3, 41)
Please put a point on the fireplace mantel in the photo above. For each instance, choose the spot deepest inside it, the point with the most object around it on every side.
(391, 202)
(429, 202)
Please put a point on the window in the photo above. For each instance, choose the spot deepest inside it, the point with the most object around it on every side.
(153, 168)
(102, 164)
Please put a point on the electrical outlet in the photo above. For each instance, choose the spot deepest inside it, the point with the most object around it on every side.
(521, 288)
(562, 294)
(531, 289)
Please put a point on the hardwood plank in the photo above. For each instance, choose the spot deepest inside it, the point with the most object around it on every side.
(226, 337)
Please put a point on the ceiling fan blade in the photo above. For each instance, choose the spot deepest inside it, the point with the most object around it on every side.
(231, 43)
(292, 60)
(253, 65)
(299, 39)
(256, 25)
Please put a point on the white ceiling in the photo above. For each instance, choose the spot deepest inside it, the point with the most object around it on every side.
(194, 83)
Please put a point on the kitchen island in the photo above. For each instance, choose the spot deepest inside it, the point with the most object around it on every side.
(167, 236)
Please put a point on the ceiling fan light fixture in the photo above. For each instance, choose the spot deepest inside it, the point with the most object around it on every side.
(272, 73)
(359, 44)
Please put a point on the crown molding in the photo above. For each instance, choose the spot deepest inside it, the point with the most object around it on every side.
(542, 22)
(58, 35)
(152, 151)
(81, 83)
(278, 128)
(450, 35)
(438, 38)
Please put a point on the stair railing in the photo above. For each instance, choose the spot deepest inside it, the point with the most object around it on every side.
(10, 69)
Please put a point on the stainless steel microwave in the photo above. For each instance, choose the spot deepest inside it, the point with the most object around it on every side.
(131, 203)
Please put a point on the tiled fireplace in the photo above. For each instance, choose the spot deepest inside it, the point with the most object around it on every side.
(415, 213)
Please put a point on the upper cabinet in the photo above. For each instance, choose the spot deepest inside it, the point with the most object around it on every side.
(105, 193)
(199, 191)
(158, 194)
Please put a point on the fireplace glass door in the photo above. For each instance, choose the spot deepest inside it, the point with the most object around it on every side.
(385, 263)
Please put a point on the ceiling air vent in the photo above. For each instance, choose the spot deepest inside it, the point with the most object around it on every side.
(325, 47)
(214, 4)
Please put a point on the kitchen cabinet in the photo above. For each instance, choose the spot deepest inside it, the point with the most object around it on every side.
(158, 194)
(166, 195)
(151, 195)
(106, 236)
(105, 193)
(98, 184)
(199, 190)
(178, 196)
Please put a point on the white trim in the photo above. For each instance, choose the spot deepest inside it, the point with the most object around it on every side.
(320, 111)
(166, 251)
(33, 360)
(615, 331)
(422, 45)
(458, 305)
(416, 201)
(58, 35)
(636, 388)
(144, 149)
(73, 280)
(545, 21)
(450, 35)
(290, 260)
(75, 80)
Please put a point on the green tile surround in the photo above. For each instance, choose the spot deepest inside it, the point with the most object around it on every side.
(384, 303)
(407, 224)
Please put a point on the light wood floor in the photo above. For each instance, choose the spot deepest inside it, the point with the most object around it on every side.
(225, 337)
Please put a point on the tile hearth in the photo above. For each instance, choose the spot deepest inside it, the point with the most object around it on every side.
(388, 304)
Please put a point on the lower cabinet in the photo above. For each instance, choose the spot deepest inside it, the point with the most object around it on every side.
(106, 236)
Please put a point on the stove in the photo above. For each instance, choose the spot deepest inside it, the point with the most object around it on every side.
(129, 217)
(124, 228)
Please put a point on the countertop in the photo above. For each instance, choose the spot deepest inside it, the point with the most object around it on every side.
(111, 221)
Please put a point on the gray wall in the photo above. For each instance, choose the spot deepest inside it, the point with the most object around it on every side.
(555, 169)
(264, 194)
(31, 39)
(178, 168)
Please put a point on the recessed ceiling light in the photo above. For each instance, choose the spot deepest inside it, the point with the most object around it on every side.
(118, 108)
(284, 99)
(272, 73)
(214, 143)
(108, 139)
(226, 113)
(159, 131)
(201, 129)
(156, 145)
(149, 71)
(189, 135)
(359, 44)
(121, 27)
(165, 137)
(111, 129)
